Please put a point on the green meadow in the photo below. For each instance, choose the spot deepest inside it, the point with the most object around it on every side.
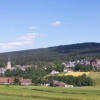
(48, 93)
(12, 92)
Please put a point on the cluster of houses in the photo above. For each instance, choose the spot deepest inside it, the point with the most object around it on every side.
(96, 63)
(69, 65)
(11, 80)
(21, 67)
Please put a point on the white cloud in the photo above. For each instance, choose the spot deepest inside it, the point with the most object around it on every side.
(32, 27)
(27, 39)
(56, 23)
(10, 44)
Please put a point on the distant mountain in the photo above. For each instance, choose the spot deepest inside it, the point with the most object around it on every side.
(52, 53)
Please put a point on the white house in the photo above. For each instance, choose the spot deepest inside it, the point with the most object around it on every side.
(54, 72)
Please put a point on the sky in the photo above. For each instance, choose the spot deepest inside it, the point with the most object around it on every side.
(31, 24)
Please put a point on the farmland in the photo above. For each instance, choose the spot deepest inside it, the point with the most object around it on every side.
(13, 92)
(75, 73)
(48, 93)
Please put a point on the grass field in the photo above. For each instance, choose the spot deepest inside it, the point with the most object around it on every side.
(75, 73)
(48, 93)
(11, 92)
(95, 76)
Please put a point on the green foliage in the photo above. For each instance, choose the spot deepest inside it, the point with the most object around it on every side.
(83, 68)
(71, 80)
(14, 73)
(8, 73)
(16, 81)
(57, 65)
(36, 74)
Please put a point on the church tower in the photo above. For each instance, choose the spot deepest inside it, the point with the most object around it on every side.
(9, 64)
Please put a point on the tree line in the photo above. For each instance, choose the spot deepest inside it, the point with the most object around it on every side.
(82, 80)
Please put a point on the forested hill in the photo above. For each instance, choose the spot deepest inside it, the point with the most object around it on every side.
(50, 54)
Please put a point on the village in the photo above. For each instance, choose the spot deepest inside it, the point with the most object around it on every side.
(68, 67)
(11, 80)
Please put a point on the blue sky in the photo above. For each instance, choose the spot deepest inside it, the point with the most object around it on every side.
(30, 24)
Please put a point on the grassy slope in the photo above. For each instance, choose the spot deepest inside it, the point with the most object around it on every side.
(95, 76)
(74, 73)
(48, 93)
(52, 93)
(4, 97)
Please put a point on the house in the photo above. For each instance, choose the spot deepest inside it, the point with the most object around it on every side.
(68, 69)
(6, 80)
(54, 72)
(69, 66)
(47, 84)
(93, 63)
(98, 63)
(25, 81)
(58, 83)
(2, 70)
(11, 80)
(87, 62)
(69, 86)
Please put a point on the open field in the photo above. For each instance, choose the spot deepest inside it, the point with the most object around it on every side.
(48, 93)
(70, 73)
(12, 92)
(95, 76)
(74, 73)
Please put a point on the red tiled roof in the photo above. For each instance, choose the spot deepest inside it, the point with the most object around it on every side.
(6, 80)
(58, 83)
(26, 80)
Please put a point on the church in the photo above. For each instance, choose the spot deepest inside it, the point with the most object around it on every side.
(3, 69)
(8, 64)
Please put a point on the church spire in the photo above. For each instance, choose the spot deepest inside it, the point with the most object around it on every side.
(9, 63)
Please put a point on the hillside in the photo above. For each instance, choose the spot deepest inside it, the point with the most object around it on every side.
(95, 76)
(50, 54)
